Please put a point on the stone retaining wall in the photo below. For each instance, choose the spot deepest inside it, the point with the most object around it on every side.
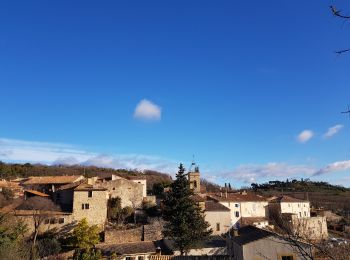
(149, 232)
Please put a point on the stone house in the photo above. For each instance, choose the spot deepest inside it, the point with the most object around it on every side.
(77, 201)
(131, 193)
(140, 180)
(250, 242)
(296, 214)
(49, 184)
(218, 216)
(243, 206)
(287, 204)
(311, 229)
(62, 221)
(90, 202)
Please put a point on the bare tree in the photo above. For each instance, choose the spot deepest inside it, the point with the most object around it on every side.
(40, 208)
(340, 15)
(297, 233)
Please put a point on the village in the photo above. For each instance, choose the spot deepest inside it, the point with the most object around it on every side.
(244, 225)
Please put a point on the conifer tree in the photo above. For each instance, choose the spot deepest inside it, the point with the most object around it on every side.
(185, 225)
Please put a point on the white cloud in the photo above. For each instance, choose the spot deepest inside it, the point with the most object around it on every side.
(334, 167)
(52, 153)
(147, 110)
(332, 131)
(305, 136)
(252, 173)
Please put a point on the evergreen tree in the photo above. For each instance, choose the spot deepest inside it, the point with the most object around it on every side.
(84, 236)
(185, 225)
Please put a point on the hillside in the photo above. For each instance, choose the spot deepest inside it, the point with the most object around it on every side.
(10, 171)
(320, 194)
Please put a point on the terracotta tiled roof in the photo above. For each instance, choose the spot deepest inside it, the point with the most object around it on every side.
(285, 198)
(87, 187)
(52, 179)
(72, 185)
(26, 212)
(38, 193)
(198, 198)
(215, 206)
(236, 197)
(250, 234)
(130, 248)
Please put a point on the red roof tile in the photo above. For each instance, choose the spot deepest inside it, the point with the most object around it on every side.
(237, 197)
(215, 206)
(285, 198)
(52, 179)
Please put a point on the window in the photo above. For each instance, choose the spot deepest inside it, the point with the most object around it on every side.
(90, 193)
(237, 214)
(61, 220)
(141, 258)
(288, 204)
(195, 184)
(287, 257)
(305, 213)
(217, 226)
(46, 221)
(236, 205)
(300, 214)
(298, 205)
(53, 221)
(85, 206)
(113, 188)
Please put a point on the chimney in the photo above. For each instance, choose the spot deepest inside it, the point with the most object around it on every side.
(234, 232)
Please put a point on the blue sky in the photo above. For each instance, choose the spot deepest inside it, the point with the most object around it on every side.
(147, 84)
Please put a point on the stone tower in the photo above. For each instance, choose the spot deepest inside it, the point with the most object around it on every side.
(194, 179)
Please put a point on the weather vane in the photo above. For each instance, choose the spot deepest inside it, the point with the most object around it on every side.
(347, 112)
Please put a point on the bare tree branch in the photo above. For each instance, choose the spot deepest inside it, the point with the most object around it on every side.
(342, 51)
(338, 12)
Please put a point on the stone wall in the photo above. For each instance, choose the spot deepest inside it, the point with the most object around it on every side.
(131, 193)
(96, 212)
(314, 228)
(149, 232)
(61, 221)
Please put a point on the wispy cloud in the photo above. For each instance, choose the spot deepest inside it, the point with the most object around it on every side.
(252, 173)
(334, 167)
(52, 153)
(147, 110)
(332, 131)
(305, 136)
